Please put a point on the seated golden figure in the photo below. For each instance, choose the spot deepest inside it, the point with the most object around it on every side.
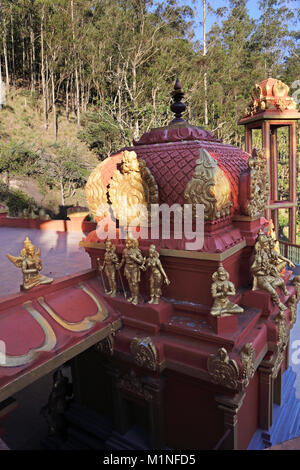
(30, 263)
(221, 290)
(266, 275)
(157, 275)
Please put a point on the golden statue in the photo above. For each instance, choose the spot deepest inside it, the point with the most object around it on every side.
(134, 263)
(157, 275)
(30, 262)
(266, 275)
(221, 290)
(110, 265)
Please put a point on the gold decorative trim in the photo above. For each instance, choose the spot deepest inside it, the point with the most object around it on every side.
(132, 384)
(144, 352)
(84, 325)
(292, 305)
(223, 370)
(49, 343)
(95, 191)
(210, 187)
(296, 282)
(187, 254)
(282, 330)
(248, 361)
(259, 184)
(106, 346)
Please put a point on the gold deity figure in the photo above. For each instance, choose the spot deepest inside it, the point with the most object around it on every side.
(276, 259)
(110, 265)
(30, 263)
(266, 275)
(157, 275)
(221, 290)
(134, 263)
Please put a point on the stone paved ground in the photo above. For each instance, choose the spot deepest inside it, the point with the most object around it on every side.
(61, 254)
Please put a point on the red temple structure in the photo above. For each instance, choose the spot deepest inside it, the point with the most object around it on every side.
(272, 108)
(184, 377)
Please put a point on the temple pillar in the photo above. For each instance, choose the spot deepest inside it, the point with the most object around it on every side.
(230, 408)
(265, 416)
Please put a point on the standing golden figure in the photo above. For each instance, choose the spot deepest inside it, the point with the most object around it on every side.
(266, 275)
(134, 263)
(221, 290)
(110, 265)
(157, 275)
(30, 263)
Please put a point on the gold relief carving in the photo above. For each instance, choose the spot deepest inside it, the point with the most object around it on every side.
(280, 89)
(248, 361)
(259, 184)
(292, 305)
(131, 383)
(144, 352)
(296, 282)
(221, 290)
(210, 187)
(278, 360)
(256, 92)
(95, 191)
(266, 275)
(223, 370)
(132, 190)
(106, 346)
(282, 330)
(30, 263)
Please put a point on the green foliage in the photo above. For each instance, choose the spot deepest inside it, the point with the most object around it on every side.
(16, 159)
(63, 169)
(16, 200)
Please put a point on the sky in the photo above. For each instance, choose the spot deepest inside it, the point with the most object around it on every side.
(252, 6)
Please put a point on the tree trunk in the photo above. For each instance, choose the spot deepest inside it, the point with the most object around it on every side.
(43, 73)
(54, 107)
(12, 47)
(62, 190)
(5, 54)
(205, 72)
(76, 66)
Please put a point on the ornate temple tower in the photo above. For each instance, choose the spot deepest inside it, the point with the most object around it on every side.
(269, 110)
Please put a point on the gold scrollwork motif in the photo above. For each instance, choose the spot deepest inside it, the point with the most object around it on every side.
(210, 187)
(223, 370)
(95, 191)
(248, 361)
(282, 330)
(106, 346)
(132, 384)
(144, 352)
(132, 190)
(278, 360)
(292, 305)
(296, 282)
(259, 184)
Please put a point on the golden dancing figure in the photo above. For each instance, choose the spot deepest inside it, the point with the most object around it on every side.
(266, 275)
(110, 265)
(30, 262)
(221, 289)
(157, 275)
(134, 263)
